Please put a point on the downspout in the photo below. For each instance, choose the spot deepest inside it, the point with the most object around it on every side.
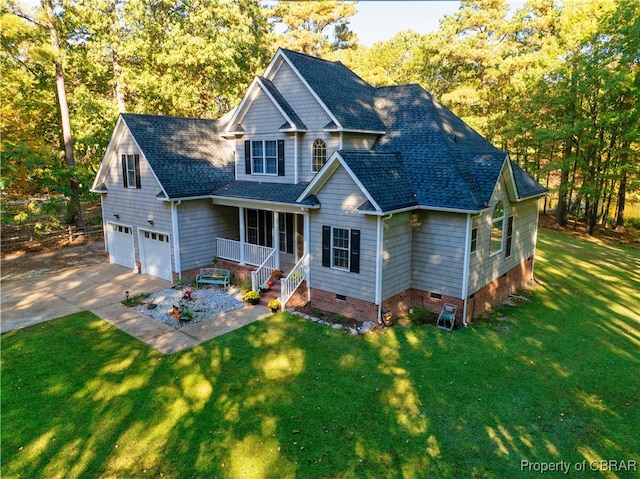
(380, 243)
(176, 237)
(340, 145)
(465, 270)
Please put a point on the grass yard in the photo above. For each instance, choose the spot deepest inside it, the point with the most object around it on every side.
(556, 379)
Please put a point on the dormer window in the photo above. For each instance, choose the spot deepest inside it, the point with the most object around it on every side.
(318, 155)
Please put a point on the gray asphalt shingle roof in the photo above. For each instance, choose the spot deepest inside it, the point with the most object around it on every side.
(448, 163)
(349, 98)
(383, 175)
(187, 155)
(254, 190)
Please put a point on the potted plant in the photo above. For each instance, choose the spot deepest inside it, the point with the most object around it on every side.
(276, 274)
(274, 305)
(252, 297)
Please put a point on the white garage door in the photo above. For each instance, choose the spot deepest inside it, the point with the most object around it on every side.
(155, 254)
(121, 245)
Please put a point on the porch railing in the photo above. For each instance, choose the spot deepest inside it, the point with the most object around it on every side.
(293, 280)
(254, 254)
(263, 273)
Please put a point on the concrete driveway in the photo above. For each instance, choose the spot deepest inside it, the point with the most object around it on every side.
(100, 289)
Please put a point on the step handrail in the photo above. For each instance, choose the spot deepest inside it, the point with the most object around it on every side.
(263, 273)
(294, 279)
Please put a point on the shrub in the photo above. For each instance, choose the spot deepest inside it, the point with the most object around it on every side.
(136, 300)
(252, 297)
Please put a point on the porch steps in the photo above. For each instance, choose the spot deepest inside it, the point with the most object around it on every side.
(273, 293)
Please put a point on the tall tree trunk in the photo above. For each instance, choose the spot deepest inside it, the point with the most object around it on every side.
(561, 210)
(76, 209)
(622, 189)
(115, 58)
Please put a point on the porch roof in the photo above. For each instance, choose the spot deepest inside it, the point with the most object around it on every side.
(258, 191)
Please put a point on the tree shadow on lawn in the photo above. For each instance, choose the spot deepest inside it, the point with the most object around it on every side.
(285, 397)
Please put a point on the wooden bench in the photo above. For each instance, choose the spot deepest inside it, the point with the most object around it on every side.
(216, 276)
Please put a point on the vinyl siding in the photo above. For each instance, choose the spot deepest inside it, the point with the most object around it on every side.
(438, 252)
(340, 198)
(300, 98)
(199, 224)
(396, 259)
(135, 206)
(351, 141)
(306, 143)
(484, 268)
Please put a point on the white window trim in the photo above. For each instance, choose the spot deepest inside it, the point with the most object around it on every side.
(264, 158)
(313, 147)
(333, 266)
(494, 221)
(131, 170)
(473, 250)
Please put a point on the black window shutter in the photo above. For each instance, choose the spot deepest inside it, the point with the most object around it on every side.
(124, 171)
(326, 246)
(247, 157)
(280, 157)
(136, 159)
(355, 252)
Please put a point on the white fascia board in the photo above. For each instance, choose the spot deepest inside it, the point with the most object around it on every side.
(347, 130)
(240, 109)
(108, 154)
(280, 54)
(329, 168)
(184, 198)
(261, 204)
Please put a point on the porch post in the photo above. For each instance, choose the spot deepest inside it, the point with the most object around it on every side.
(242, 233)
(276, 237)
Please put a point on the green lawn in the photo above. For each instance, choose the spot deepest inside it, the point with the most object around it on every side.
(556, 379)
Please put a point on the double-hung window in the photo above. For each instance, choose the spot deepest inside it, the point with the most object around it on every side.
(497, 227)
(264, 157)
(341, 248)
(131, 171)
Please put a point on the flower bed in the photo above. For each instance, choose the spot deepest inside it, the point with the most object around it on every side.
(204, 304)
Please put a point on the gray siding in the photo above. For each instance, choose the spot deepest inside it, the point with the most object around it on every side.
(396, 256)
(300, 98)
(340, 198)
(135, 206)
(353, 141)
(483, 267)
(200, 223)
(438, 252)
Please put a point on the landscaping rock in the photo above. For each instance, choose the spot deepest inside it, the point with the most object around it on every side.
(366, 327)
(352, 331)
(336, 326)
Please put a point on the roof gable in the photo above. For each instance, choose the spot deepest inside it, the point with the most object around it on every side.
(187, 155)
(346, 97)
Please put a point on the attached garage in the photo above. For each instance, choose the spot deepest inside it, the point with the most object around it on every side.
(120, 241)
(155, 254)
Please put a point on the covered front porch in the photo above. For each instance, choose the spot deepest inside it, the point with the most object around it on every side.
(270, 240)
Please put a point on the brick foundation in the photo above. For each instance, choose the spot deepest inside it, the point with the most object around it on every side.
(242, 272)
(349, 307)
(499, 289)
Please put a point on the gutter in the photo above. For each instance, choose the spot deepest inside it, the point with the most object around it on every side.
(380, 241)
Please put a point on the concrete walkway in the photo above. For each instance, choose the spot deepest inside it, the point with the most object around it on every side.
(100, 289)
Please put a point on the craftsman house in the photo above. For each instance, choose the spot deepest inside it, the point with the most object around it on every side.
(368, 199)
